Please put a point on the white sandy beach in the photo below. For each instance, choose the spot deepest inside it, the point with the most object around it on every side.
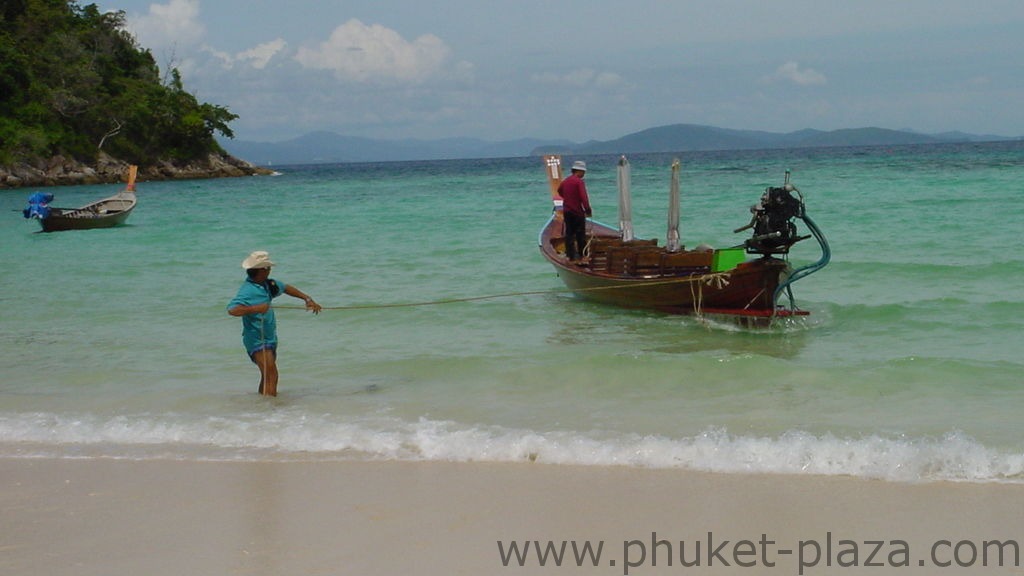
(111, 517)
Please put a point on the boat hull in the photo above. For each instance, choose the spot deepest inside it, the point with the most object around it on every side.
(105, 213)
(745, 291)
(56, 223)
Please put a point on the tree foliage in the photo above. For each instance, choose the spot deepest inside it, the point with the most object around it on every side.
(74, 82)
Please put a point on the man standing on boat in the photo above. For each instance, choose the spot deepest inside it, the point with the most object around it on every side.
(575, 209)
(259, 327)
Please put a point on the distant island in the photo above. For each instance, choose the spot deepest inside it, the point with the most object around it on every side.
(329, 147)
(81, 100)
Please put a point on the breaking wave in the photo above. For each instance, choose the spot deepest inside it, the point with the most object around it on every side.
(291, 436)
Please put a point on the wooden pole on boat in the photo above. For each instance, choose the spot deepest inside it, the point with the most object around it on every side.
(133, 171)
(625, 203)
(553, 162)
(672, 241)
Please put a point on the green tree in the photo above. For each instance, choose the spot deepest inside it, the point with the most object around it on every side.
(74, 82)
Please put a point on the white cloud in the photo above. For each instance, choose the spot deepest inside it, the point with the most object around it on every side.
(359, 52)
(259, 56)
(792, 72)
(168, 26)
(583, 77)
(608, 80)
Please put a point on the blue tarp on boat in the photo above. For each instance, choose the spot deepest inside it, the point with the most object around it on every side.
(38, 206)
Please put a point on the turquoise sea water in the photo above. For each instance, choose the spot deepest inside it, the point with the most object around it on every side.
(116, 342)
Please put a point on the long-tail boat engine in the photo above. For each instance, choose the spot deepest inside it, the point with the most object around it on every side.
(772, 221)
(775, 232)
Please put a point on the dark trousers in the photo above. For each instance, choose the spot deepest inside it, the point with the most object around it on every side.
(575, 234)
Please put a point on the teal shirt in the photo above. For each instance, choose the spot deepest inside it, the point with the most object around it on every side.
(258, 330)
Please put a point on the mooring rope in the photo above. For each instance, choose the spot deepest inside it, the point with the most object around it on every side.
(717, 277)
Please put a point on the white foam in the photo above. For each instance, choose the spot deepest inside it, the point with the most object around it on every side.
(287, 434)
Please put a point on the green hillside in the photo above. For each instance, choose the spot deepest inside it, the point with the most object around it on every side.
(74, 84)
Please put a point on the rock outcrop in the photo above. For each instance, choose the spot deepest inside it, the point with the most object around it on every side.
(61, 171)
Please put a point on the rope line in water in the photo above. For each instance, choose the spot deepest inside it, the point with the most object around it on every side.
(717, 277)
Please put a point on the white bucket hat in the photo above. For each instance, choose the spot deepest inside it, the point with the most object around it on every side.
(579, 165)
(258, 259)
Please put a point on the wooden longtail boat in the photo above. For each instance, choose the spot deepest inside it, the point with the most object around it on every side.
(105, 213)
(624, 271)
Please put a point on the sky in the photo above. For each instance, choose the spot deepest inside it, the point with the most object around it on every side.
(590, 70)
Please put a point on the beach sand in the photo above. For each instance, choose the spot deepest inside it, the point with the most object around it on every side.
(109, 517)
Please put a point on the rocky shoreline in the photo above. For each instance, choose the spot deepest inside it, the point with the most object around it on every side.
(61, 171)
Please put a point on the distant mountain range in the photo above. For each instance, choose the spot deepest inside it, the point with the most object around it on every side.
(329, 147)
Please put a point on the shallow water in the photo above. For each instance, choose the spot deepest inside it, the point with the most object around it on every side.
(116, 342)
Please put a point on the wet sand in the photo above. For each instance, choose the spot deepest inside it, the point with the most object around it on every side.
(107, 517)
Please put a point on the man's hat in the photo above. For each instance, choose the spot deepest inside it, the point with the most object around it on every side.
(258, 259)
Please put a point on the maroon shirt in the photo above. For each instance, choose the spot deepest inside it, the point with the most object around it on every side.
(574, 196)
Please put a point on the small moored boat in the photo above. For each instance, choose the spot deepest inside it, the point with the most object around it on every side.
(105, 213)
(624, 271)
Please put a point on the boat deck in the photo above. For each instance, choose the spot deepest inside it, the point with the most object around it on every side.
(638, 258)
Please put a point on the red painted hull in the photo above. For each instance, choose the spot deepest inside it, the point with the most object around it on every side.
(745, 291)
